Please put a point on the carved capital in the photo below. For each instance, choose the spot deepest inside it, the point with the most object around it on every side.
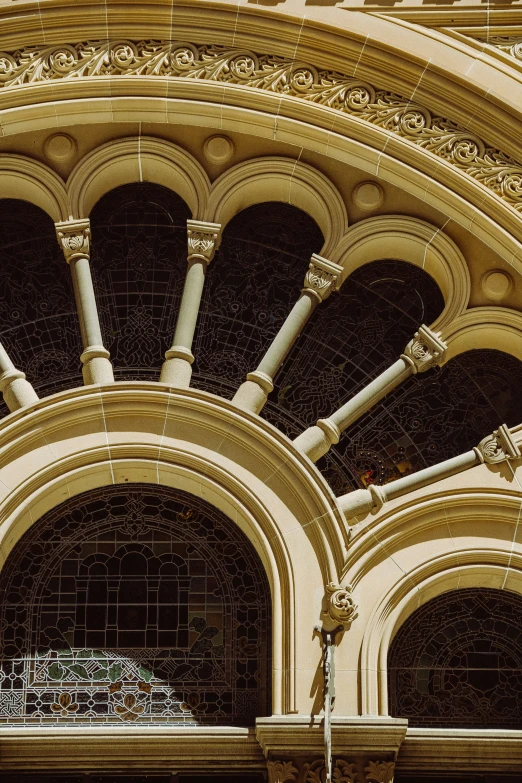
(281, 771)
(322, 278)
(425, 350)
(74, 238)
(341, 608)
(497, 447)
(202, 239)
(380, 771)
(344, 772)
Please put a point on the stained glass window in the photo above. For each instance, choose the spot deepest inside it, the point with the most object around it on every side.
(134, 604)
(39, 324)
(457, 661)
(139, 262)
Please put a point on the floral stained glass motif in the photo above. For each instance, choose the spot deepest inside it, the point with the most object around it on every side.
(457, 661)
(134, 604)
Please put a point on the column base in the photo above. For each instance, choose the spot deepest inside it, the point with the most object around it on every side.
(176, 372)
(97, 370)
(317, 440)
(18, 393)
(253, 393)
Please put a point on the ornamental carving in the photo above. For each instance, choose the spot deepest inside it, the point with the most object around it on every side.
(413, 122)
(425, 350)
(322, 277)
(380, 771)
(341, 608)
(202, 239)
(74, 238)
(281, 771)
(497, 447)
(509, 44)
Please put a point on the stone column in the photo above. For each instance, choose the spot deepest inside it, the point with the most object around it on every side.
(320, 280)
(74, 239)
(492, 449)
(424, 351)
(17, 392)
(203, 241)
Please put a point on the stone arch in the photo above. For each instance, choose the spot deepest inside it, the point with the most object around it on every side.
(417, 242)
(28, 180)
(138, 159)
(280, 179)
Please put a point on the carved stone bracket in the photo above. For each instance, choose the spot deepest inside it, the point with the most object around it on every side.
(341, 608)
(425, 350)
(202, 239)
(343, 771)
(322, 277)
(380, 771)
(74, 238)
(498, 447)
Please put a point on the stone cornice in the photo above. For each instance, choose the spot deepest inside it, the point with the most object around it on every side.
(411, 121)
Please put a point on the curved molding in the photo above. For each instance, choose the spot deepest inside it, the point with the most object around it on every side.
(485, 327)
(137, 159)
(280, 179)
(417, 242)
(92, 437)
(487, 569)
(300, 80)
(26, 179)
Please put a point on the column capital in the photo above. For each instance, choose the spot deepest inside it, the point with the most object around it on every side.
(322, 277)
(498, 447)
(74, 238)
(425, 350)
(203, 239)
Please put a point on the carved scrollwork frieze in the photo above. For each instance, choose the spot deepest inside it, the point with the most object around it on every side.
(281, 772)
(425, 350)
(322, 277)
(202, 239)
(498, 447)
(74, 238)
(176, 59)
(380, 771)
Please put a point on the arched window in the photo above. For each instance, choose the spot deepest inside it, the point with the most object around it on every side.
(457, 661)
(134, 603)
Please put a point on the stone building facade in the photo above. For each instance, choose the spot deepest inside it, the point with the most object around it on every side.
(261, 367)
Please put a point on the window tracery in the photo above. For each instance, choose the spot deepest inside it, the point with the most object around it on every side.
(138, 262)
(457, 661)
(37, 310)
(134, 603)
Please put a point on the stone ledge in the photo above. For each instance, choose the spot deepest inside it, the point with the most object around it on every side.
(466, 750)
(286, 735)
(90, 748)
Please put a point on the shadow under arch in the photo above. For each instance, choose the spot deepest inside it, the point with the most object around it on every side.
(138, 263)
(40, 329)
(134, 603)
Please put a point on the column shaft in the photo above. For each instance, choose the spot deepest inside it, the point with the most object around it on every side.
(425, 350)
(492, 449)
(203, 241)
(321, 278)
(74, 239)
(16, 390)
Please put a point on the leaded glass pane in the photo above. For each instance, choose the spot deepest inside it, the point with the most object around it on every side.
(457, 661)
(134, 604)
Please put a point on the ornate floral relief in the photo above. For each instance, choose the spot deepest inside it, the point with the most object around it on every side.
(322, 277)
(493, 168)
(498, 446)
(341, 608)
(425, 350)
(74, 238)
(380, 771)
(509, 44)
(202, 239)
(281, 772)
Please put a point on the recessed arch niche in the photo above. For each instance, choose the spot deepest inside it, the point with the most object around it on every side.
(457, 661)
(134, 604)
